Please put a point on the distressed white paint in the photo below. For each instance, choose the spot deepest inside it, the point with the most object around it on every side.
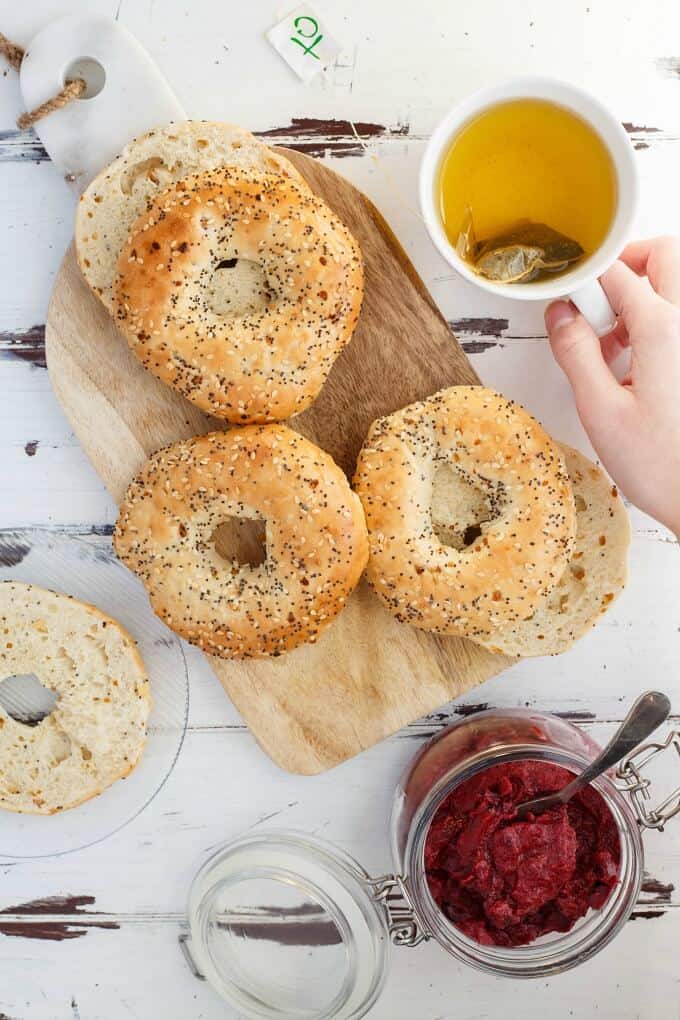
(402, 65)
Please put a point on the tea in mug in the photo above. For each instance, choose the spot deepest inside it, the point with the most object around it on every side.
(527, 188)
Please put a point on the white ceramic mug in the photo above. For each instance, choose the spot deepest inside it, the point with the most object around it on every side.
(580, 283)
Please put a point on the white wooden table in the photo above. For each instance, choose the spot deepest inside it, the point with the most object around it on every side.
(402, 66)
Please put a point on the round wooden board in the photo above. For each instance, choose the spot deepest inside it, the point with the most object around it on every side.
(368, 675)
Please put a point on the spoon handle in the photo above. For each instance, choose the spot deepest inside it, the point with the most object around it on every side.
(648, 712)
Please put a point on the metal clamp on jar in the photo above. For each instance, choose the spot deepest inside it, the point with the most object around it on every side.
(285, 925)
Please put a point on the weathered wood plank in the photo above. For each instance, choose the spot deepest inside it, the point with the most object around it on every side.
(329, 137)
(623, 52)
(66, 981)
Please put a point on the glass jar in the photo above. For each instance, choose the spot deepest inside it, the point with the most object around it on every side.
(462, 751)
(284, 925)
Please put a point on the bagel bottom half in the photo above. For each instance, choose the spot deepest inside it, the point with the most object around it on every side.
(96, 732)
(594, 577)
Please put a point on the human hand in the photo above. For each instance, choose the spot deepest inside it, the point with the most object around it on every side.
(634, 425)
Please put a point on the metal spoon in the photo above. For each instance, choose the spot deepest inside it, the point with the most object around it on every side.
(648, 712)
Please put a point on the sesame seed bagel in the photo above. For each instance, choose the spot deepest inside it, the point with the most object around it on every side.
(489, 443)
(151, 162)
(316, 551)
(270, 362)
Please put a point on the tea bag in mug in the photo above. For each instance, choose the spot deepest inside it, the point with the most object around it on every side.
(523, 253)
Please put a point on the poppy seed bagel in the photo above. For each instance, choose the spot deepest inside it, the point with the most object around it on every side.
(121, 192)
(269, 362)
(522, 545)
(316, 539)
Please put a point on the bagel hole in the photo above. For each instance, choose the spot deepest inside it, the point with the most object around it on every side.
(26, 700)
(152, 171)
(238, 287)
(460, 510)
(241, 540)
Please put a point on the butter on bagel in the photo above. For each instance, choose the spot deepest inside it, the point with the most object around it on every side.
(121, 192)
(526, 534)
(315, 534)
(96, 732)
(267, 363)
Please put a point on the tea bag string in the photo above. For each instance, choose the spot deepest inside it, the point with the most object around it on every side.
(387, 175)
(73, 87)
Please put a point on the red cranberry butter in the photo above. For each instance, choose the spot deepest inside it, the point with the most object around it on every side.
(516, 898)
(506, 882)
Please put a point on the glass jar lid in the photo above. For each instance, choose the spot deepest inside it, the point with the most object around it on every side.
(284, 925)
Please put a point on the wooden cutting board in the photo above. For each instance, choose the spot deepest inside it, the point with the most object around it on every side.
(368, 675)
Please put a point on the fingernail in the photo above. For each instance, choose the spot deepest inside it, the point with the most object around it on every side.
(558, 314)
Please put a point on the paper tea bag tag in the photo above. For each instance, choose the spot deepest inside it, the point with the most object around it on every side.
(304, 42)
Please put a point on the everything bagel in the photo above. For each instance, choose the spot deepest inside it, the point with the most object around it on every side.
(526, 526)
(266, 364)
(122, 191)
(317, 546)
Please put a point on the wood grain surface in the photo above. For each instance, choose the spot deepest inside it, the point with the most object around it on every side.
(368, 675)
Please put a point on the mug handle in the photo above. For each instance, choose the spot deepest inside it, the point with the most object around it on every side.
(592, 302)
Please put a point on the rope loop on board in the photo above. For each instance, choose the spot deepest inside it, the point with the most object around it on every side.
(73, 87)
